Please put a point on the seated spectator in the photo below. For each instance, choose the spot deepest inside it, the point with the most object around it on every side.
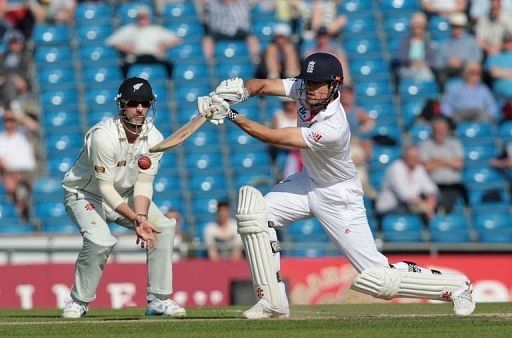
(14, 69)
(500, 70)
(143, 42)
(221, 238)
(443, 7)
(325, 13)
(443, 157)
(416, 52)
(53, 11)
(459, 49)
(407, 188)
(289, 11)
(324, 45)
(479, 8)
(491, 28)
(286, 160)
(280, 59)
(17, 163)
(469, 99)
(181, 238)
(228, 20)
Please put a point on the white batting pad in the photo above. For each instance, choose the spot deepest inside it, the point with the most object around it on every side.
(253, 228)
(387, 283)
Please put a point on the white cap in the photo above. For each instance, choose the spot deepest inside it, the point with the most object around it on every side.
(282, 29)
(458, 19)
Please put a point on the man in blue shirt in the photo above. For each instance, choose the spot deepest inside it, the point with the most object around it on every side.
(500, 69)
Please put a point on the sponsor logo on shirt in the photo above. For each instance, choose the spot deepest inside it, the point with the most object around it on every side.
(98, 169)
(121, 164)
(316, 136)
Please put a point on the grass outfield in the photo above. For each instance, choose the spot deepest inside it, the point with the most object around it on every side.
(365, 320)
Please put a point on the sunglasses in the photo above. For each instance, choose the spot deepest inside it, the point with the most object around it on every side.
(134, 103)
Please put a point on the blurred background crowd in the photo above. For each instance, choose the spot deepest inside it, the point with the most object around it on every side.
(427, 91)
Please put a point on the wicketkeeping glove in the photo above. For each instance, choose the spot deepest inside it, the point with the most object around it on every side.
(232, 90)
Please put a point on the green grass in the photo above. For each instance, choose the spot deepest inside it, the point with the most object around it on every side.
(364, 320)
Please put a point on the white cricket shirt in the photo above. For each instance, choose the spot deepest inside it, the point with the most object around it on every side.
(108, 156)
(327, 158)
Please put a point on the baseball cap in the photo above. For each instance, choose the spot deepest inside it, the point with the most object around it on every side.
(321, 67)
(135, 88)
(282, 29)
(458, 19)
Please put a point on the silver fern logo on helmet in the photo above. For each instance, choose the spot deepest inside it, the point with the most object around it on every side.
(137, 86)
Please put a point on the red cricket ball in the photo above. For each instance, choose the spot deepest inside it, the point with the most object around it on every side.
(144, 162)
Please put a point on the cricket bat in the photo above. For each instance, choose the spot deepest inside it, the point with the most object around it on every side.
(180, 135)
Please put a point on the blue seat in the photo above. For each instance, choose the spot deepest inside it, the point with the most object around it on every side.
(127, 11)
(411, 110)
(479, 154)
(362, 48)
(8, 211)
(49, 34)
(186, 52)
(368, 90)
(361, 25)
(162, 184)
(206, 183)
(16, 227)
(187, 31)
(412, 90)
(263, 29)
(475, 132)
(99, 55)
(189, 94)
(60, 165)
(56, 77)
(199, 160)
(370, 70)
(402, 228)
(58, 98)
(61, 119)
(377, 176)
(207, 137)
(420, 132)
(390, 131)
(93, 34)
(488, 196)
(397, 25)
(166, 202)
(94, 116)
(63, 141)
(101, 96)
(439, 26)
(151, 72)
(356, 6)
(92, 13)
(205, 205)
(102, 75)
(449, 229)
(48, 188)
(237, 137)
(118, 229)
(190, 72)
(310, 228)
(46, 55)
(180, 12)
(304, 252)
(186, 113)
(383, 156)
(493, 227)
(44, 210)
(505, 131)
(261, 181)
(382, 112)
(482, 176)
(234, 70)
(398, 6)
(59, 225)
(249, 160)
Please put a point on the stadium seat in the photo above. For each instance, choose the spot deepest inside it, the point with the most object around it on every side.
(249, 160)
(310, 229)
(493, 227)
(411, 111)
(187, 31)
(92, 12)
(118, 229)
(420, 132)
(370, 90)
(93, 34)
(49, 34)
(101, 96)
(226, 50)
(449, 229)
(475, 132)
(48, 188)
(479, 154)
(189, 94)
(190, 72)
(356, 6)
(200, 160)
(402, 228)
(95, 115)
(383, 113)
(383, 156)
(100, 76)
(387, 134)
(398, 6)
(98, 55)
(58, 166)
(59, 225)
(370, 70)
(397, 26)
(186, 52)
(15, 227)
(414, 90)
(377, 176)
(60, 77)
(363, 48)
(166, 203)
(161, 183)
(127, 11)
(239, 138)
(45, 210)
(361, 26)
(151, 72)
(53, 99)
(206, 138)
(505, 131)
(439, 27)
(304, 252)
(261, 181)
(184, 11)
(488, 196)
(61, 119)
(224, 71)
(483, 177)
(47, 55)
(8, 211)
(205, 205)
(263, 30)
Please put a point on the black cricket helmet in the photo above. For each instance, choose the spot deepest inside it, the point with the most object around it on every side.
(139, 90)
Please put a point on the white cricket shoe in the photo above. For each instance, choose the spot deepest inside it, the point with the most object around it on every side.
(463, 303)
(263, 310)
(73, 309)
(168, 308)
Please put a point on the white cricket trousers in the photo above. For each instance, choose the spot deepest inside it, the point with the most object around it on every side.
(338, 207)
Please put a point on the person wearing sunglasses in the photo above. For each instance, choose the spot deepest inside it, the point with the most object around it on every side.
(112, 181)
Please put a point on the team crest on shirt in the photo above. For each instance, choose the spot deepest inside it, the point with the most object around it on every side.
(121, 164)
(98, 169)
(137, 86)
(316, 136)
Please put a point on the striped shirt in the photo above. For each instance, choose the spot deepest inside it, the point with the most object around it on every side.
(228, 16)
